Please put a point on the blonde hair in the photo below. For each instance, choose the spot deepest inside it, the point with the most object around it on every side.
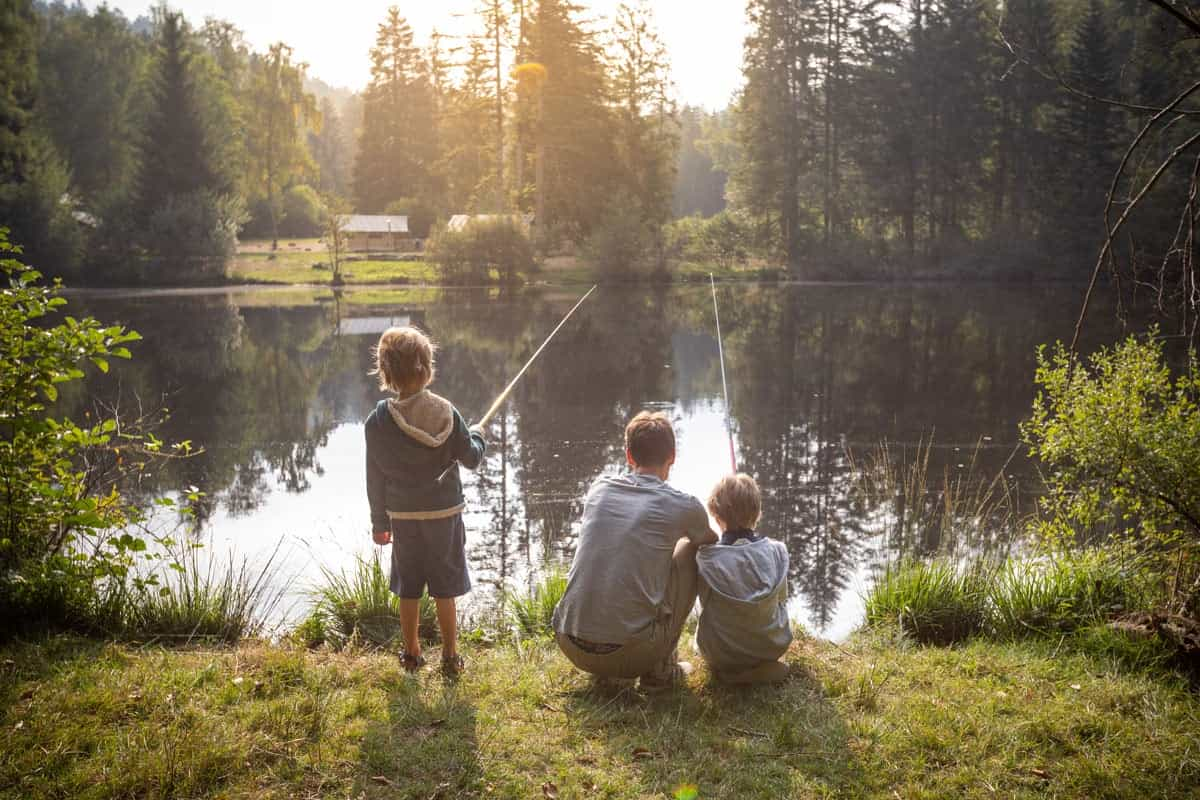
(404, 360)
(736, 501)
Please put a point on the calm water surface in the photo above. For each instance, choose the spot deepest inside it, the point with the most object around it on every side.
(274, 386)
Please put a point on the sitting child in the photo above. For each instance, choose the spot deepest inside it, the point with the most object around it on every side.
(415, 444)
(744, 627)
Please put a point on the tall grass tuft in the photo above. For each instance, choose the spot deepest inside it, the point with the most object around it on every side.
(358, 605)
(935, 602)
(531, 612)
(222, 601)
(925, 511)
(1063, 592)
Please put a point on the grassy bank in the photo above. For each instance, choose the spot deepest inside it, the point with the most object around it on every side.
(305, 261)
(867, 719)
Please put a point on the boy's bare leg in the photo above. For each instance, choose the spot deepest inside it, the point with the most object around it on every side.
(410, 620)
(447, 615)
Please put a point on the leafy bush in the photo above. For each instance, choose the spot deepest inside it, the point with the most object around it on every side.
(622, 242)
(359, 606)
(499, 243)
(303, 212)
(935, 602)
(197, 226)
(531, 612)
(727, 239)
(67, 554)
(1119, 441)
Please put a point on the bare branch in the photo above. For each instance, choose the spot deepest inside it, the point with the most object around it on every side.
(1186, 19)
(1108, 239)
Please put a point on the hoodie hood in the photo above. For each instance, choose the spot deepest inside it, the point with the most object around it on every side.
(426, 417)
(745, 572)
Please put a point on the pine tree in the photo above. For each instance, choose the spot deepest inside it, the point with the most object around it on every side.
(571, 136)
(398, 143)
(176, 152)
(1086, 134)
(777, 63)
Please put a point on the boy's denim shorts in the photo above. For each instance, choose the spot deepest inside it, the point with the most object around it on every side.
(429, 553)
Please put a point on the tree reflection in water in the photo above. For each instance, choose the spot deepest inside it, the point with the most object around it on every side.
(274, 384)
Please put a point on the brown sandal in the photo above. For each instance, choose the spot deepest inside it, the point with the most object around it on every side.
(453, 666)
(410, 662)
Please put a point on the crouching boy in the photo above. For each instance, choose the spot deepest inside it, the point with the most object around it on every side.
(415, 444)
(744, 627)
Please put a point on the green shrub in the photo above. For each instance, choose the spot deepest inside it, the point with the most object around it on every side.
(1064, 592)
(1119, 443)
(200, 226)
(531, 612)
(358, 605)
(469, 255)
(303, 212)
(623, 242)
(935, 602)
(67, 556)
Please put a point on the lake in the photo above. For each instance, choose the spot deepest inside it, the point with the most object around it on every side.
(273, 385)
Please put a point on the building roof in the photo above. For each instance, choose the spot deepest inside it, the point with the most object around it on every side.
(375, 223)
(459, 221)
(362, 326)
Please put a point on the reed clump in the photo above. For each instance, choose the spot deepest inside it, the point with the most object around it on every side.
(935, 602)
(357, 606)
(206, 599)
(531, 612)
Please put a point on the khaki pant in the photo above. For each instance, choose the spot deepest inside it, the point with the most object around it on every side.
(652, 654)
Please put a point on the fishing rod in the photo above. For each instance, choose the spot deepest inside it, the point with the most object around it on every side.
(491, 412)
(724, 384)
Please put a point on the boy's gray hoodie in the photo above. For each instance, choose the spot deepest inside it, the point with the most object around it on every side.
(743, 598)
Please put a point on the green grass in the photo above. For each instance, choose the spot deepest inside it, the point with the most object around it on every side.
(934, 602)
(530, 613)
(357, 605)
(867, 719)
(297, 268)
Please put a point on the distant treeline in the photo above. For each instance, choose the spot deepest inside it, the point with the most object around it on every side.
(143, 149)
(969, 135)
(966, 137)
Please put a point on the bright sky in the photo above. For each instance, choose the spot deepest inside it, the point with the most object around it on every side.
(704, 38)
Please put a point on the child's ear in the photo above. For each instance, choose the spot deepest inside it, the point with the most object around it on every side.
(629, 458)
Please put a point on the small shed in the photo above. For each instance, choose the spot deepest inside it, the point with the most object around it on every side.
(376, 232)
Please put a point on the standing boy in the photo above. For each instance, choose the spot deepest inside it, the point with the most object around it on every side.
(744, 626)
(415, 442)
(632, 583)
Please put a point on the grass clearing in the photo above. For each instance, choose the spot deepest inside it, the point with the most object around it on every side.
(870, 719)
(297, 267)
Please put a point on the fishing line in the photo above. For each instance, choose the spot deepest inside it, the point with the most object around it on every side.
(724, 384)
